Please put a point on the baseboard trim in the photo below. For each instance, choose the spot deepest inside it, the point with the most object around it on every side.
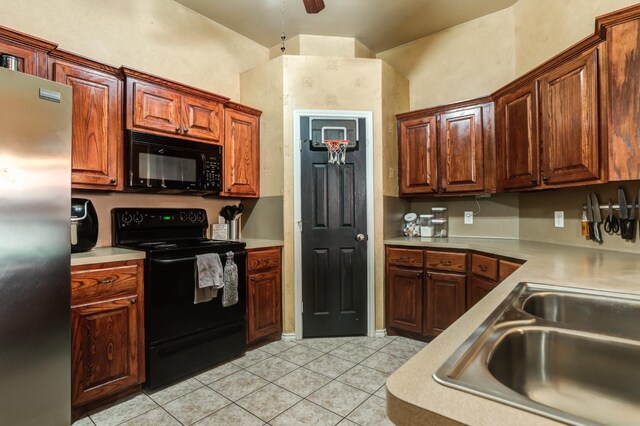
(380, 333)
(287, 337)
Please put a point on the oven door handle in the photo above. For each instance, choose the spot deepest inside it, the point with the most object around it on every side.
(169, 261)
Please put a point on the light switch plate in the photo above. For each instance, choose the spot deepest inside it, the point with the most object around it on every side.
(468, 218)
(558, 219)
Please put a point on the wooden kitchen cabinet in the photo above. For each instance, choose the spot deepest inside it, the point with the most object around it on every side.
(107, 343)
(97, 137)
(569, 124)
(30, 51)
(159, 106)
(518, 144)
(446, 294)
(241, 151)
(486, 273)
(448, 149)
(405, 298)
(478, 288)
(264, 294)
(418, 167)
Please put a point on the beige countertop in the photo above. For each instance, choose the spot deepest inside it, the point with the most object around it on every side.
(105, 254)
(256, 243)
(414, 397)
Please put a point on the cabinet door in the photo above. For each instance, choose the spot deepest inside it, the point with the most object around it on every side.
(569, 105)
(28, 59)
(263, 304)
(418, 155)
(461, 151)
(241, 154)
(518, 142)
(202, 118)
(478, 289)
(105, 349)
(445, 301)
(155, 108)
(97, 125)
(405, 299)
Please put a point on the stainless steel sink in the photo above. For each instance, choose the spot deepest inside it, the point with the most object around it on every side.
(569, 354)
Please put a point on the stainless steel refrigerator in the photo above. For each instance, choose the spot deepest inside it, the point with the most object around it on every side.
(35, 196)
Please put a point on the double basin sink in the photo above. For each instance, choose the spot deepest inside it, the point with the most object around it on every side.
(569, 354)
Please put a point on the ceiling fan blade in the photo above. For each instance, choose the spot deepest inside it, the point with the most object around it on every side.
(313, 6)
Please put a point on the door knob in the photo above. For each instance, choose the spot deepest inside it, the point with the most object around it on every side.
(361, 237)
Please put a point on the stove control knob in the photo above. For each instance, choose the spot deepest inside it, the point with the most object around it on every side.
(137, 218)
(192, 216)
(200, 216)
(126, 218)
(183, 216)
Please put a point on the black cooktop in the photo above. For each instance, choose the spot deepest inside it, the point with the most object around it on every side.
(177, 244)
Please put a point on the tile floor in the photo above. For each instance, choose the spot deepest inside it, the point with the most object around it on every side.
(324, 381)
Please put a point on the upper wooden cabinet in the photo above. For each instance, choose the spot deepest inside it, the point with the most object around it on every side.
(241, 151)
(569, 124)
(447, 150)
(30, 51)
(97, 135)
(418, 155)
(518, 145)
(160, 106)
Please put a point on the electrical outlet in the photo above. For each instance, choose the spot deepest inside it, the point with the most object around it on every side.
(468, 218)
(558, 219)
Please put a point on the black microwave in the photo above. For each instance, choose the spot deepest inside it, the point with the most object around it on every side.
(170, 165)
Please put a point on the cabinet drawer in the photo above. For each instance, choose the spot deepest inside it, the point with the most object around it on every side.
(94, 285)
(446, 261)
(404, 257)
(484, 266)
(263, 259)
(507, 268)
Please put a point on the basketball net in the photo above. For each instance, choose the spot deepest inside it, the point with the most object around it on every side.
(337, 150)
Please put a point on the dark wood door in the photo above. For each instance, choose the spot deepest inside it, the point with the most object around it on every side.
(96, 125)
(105, 349)
(418, 163)
(445, 300)
(479, 288)
(264, 303)
(405, 299)
(202, 118)
(241, 154)
(461, 151)
(334, 263)
(569, 121)
(155, 108)
(518, 141)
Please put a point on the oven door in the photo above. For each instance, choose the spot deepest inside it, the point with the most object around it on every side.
(169, 294)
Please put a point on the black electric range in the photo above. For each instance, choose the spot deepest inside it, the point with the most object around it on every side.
(181, 337)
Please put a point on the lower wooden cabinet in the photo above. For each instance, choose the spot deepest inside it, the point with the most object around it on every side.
(264, 295)
(445, 300)
(405, 299)
(107, 320)
(478, 288)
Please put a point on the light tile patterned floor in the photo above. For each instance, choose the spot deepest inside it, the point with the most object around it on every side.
(326, 381)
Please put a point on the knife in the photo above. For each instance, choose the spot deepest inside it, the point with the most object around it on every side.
(590, 218)
(624, 215)
(631, 226)
(597, 217)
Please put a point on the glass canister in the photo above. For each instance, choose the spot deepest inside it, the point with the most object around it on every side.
(440, 228)
(426, 225)
(439, 212)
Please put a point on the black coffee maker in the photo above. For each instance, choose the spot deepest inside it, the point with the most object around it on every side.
(84, 225)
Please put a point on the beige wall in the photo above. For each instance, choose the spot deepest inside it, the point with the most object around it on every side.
(313, 45)
(544, 28)
(462, 62)
(157, 36)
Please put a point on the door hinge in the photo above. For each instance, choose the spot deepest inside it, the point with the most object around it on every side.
(302, 308)
(300, 225)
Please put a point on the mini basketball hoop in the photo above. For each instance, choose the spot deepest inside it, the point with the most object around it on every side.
(337, 150)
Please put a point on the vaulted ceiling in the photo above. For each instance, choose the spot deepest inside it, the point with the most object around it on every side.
(379, 24)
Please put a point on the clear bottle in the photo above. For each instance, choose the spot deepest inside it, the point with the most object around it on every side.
(426, 225)
(440, 228)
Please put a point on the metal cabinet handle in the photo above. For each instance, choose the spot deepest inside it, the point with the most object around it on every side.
(444, 189)
(483, 268)
(534, 180)
(253, 278)
(186, 130)
(113, 180)
(134, 301)
(228, 189)
(107, 281)
(403, 258)
(545, 179)
(418, 274)
(178, 129)
(445, 262)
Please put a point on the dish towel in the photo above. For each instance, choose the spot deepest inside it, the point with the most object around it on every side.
(209, 277)
(230, 292)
